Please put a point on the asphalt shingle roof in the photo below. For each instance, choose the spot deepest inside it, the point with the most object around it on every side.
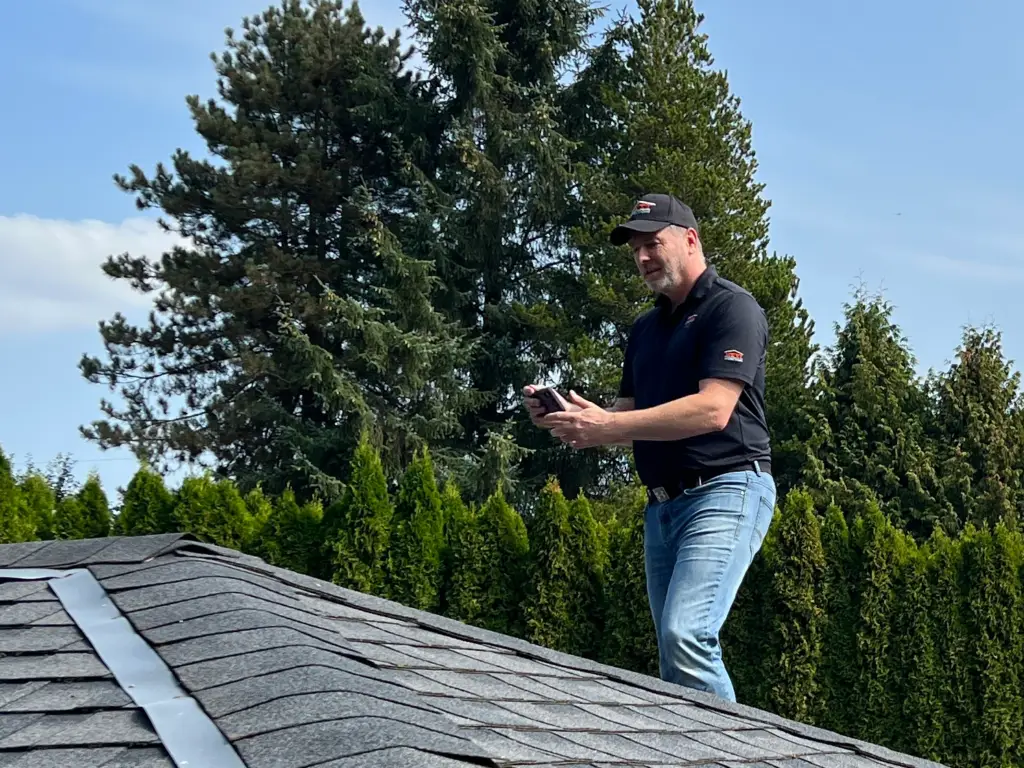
(294, 673)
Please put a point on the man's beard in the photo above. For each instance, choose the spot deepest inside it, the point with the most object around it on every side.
(660, 283)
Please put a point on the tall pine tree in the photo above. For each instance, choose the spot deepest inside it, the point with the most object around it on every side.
(504, 172)
(295, 316)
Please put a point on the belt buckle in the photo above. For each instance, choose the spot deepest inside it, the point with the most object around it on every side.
(660, 494)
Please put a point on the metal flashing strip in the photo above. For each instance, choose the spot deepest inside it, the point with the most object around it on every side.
(188, 734)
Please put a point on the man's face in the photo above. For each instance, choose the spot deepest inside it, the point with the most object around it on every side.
(661, 257)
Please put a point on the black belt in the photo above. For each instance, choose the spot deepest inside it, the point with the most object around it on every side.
(691, 478)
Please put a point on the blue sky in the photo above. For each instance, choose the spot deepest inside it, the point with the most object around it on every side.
(887, 137)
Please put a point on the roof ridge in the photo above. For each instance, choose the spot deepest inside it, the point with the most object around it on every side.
(71, 553)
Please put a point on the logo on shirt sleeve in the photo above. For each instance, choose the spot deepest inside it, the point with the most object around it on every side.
(734, 356)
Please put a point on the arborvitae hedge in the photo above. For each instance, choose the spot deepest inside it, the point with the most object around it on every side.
(147, 506)
(844, 621)
(628, 640)
(15, 520)
(505, 566)
(39, 501)
(417, 538)
(837, 671)
(463, 577)
(548, 610)
(357, 528)
(95, 509)
(289, 532)
(796, 562)
(213, 511)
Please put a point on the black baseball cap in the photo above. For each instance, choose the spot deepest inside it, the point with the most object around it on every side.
(652, 213)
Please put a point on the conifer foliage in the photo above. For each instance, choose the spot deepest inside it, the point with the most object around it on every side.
(417, 538)
(293, 317)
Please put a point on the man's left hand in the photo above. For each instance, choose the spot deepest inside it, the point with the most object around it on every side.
(588, 427)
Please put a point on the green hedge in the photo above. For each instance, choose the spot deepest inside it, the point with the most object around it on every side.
(843, 621)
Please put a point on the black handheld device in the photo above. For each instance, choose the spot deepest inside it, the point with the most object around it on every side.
(549, 399)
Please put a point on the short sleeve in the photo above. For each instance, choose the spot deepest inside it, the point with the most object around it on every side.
(626, 389)
(735, 340)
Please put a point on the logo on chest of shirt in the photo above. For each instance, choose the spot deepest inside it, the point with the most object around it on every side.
(734, 356)
(689, 321)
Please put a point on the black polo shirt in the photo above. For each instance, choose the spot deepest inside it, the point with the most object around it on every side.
(719, 331)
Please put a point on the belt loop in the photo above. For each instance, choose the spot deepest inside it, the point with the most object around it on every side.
(757, 467)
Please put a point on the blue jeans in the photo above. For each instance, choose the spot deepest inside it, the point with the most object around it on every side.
(698, 547)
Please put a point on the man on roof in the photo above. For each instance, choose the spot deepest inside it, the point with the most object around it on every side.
(691, 403)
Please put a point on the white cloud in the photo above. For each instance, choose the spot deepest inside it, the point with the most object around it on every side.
(50, 271)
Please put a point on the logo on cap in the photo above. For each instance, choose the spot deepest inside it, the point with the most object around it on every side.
(734, 356)
(643, 207)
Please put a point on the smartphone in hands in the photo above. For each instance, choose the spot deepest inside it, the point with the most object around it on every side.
(551, 400)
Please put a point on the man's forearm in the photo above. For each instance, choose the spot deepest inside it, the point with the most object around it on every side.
(621, 405)
(676, 420)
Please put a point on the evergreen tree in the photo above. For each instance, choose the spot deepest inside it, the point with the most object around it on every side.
(16, 523)
(212, 511)
(299, 313)
(979, 427)
(69, 521)
(795, 558)
(39, 502)
(956, 691)
(95, 509)
(462, 596)
(837, 672)
(505, 553)
(146, 507)
(588, 553)
(629, 640)
(548, 607)
(290, 535)
(60, 476)
(357, 528)
(878, 546)
(743, 637)
(994, 614)
(919, 724)
(870, 435)
(502, 170)
(417, 538)
(261, 509)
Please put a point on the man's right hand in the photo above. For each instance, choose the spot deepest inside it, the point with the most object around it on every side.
(535, 409)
